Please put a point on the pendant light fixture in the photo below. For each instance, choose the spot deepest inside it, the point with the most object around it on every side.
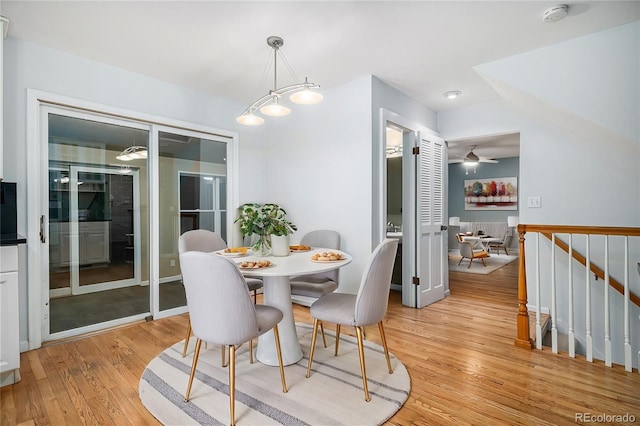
(133, 153)
(269, 104)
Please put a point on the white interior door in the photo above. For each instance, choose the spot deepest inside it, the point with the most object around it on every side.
(431, 232)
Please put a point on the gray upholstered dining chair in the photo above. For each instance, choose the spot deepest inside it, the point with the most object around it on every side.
(222, 312)
(206, 241)
(317, 285)
(506, 242)
(368, 307)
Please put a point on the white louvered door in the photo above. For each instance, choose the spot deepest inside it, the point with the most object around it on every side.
(431, 195)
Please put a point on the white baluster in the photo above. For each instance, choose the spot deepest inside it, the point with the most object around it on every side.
(589, 354)
(554, 330)
(570, 333)
(538, 324)
(627, 321)
(607, 325)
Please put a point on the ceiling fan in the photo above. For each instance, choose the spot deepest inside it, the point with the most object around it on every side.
(471, 159)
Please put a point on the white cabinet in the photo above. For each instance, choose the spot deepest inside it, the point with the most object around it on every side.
(93, 243)
(9, 317)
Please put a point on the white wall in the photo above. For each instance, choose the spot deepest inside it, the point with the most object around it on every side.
(605, 62)
(319, 170)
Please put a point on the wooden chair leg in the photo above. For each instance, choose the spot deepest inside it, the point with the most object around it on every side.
(461, 259)
(232, 385)
(313, 346)
(250, 351)
(483, 262)
(186, 339)
(337, 339)
(193, 369)
(363, 368)
(276, 335)
(384, 345)
(470, 260)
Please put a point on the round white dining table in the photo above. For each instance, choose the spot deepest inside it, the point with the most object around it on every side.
(277, 293)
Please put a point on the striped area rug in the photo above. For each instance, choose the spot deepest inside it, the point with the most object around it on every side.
(333, 395)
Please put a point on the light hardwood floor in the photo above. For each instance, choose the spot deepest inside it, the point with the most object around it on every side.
(459, 353)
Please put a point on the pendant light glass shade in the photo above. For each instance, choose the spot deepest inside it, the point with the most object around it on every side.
(306, 97)
(275, 109)
(249, 119)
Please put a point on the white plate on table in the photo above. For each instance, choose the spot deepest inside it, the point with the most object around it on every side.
(231, 253)
(342, 257)
(328, 261)
(253, 268)
(297, 249)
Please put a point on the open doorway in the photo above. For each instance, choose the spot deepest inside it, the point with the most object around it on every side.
(419, 224)
(394, 150)
(483, 199)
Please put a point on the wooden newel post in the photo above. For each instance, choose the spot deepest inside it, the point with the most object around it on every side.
(523, 338)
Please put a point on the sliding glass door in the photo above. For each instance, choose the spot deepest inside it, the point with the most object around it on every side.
(98, 225)
(116, 191)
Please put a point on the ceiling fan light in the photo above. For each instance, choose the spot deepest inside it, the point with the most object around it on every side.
(470, 163)
(275, 109)
(471, 157)
(249, 119)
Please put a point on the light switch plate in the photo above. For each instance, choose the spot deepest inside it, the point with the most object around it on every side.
(534, 202)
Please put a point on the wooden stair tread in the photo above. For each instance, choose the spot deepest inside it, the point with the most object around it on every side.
(544, 321)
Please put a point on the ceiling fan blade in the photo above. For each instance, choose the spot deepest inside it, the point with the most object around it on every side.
(487, 160)
(455, 160)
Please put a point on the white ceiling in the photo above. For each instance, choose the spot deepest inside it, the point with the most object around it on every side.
(422, 48)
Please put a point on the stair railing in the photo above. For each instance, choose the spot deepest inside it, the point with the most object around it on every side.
(523, 338)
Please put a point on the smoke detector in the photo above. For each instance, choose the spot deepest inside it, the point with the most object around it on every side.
(555, 13)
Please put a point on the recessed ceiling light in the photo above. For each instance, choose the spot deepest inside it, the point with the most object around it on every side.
(555, 13)
(452, 94)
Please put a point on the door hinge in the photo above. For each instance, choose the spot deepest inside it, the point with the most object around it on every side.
(415, 150)
(415, 280)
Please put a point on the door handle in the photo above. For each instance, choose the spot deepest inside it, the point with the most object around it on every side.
(43, 239)
(443, 228)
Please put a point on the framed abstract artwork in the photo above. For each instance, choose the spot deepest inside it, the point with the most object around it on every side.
(491, 194)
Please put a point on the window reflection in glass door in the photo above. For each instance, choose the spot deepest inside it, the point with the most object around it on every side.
(202, 202)
(193, 195)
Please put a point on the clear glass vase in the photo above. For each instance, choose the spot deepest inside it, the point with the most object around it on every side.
(262, 246)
